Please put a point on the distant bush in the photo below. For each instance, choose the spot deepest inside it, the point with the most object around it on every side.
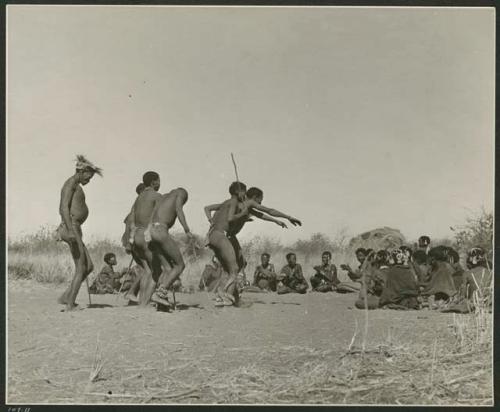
(477, 231)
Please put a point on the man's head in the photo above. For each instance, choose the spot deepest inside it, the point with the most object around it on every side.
(291, 259)
(151, 179)
(85, 176)
(264, 258)
(361, 254)
(140, 188)
(424, 241)
(326, 257)
(110, 259)
(86, 170)
(239, 190)
(256, 194)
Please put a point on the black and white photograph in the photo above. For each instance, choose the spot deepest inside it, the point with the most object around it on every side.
(249, 205)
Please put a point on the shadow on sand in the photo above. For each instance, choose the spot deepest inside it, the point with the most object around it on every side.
(99, 306)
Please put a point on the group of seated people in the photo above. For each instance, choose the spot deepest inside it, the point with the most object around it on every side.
(402, 278)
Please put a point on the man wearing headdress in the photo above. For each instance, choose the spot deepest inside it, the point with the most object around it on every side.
(74, 213)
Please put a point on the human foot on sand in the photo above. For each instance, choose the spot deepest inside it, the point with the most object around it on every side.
(156, 298)
(72, 308)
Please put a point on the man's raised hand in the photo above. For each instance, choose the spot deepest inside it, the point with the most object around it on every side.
(295, 222)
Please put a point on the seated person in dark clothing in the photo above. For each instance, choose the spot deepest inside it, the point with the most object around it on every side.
(325, 279)
(440, 287)
(476, 286)
(290, 278)
(265, 275)
(458, 274)
(375, 278)
(421, 265)
(400, 288)
(211, 275)
(478, 277)
(107, 281)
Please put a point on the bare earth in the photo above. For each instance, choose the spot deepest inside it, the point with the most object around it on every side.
(273, 349)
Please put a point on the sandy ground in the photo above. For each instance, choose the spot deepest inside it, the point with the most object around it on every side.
(189, 355)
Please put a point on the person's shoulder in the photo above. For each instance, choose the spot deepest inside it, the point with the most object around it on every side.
(70, 182)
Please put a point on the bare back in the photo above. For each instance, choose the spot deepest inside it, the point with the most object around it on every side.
(166, 212)
(144, 205)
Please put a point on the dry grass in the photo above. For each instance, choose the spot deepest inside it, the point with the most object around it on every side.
(41, 258)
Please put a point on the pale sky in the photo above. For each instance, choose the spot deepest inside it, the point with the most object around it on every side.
(345, 117)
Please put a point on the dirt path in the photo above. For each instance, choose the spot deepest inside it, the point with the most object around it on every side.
(198, 354)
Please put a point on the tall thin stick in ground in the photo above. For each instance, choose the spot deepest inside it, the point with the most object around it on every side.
(88, 290)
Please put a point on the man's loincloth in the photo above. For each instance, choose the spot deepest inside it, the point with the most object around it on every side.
(62, 232)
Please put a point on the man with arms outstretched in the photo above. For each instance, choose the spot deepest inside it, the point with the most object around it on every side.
(228, 220)
(74, 213)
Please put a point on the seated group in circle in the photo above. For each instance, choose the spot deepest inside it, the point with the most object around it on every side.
(402, 278)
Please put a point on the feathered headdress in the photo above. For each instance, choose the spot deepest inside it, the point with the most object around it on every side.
(82, 163)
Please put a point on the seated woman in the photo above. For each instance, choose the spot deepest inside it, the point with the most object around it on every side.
(375, 278)
(441, 287)
(400, 290)
(478, 277)
(421, 266)
(476, 286)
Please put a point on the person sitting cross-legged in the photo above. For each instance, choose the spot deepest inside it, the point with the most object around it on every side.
(325, 279)
(291, 279)
(265, 275)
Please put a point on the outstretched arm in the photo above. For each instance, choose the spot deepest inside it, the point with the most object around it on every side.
(273, 212)
(262, 216)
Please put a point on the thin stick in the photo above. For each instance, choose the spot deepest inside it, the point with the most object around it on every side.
(127, 273)
(88, 290)
(235, 168)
